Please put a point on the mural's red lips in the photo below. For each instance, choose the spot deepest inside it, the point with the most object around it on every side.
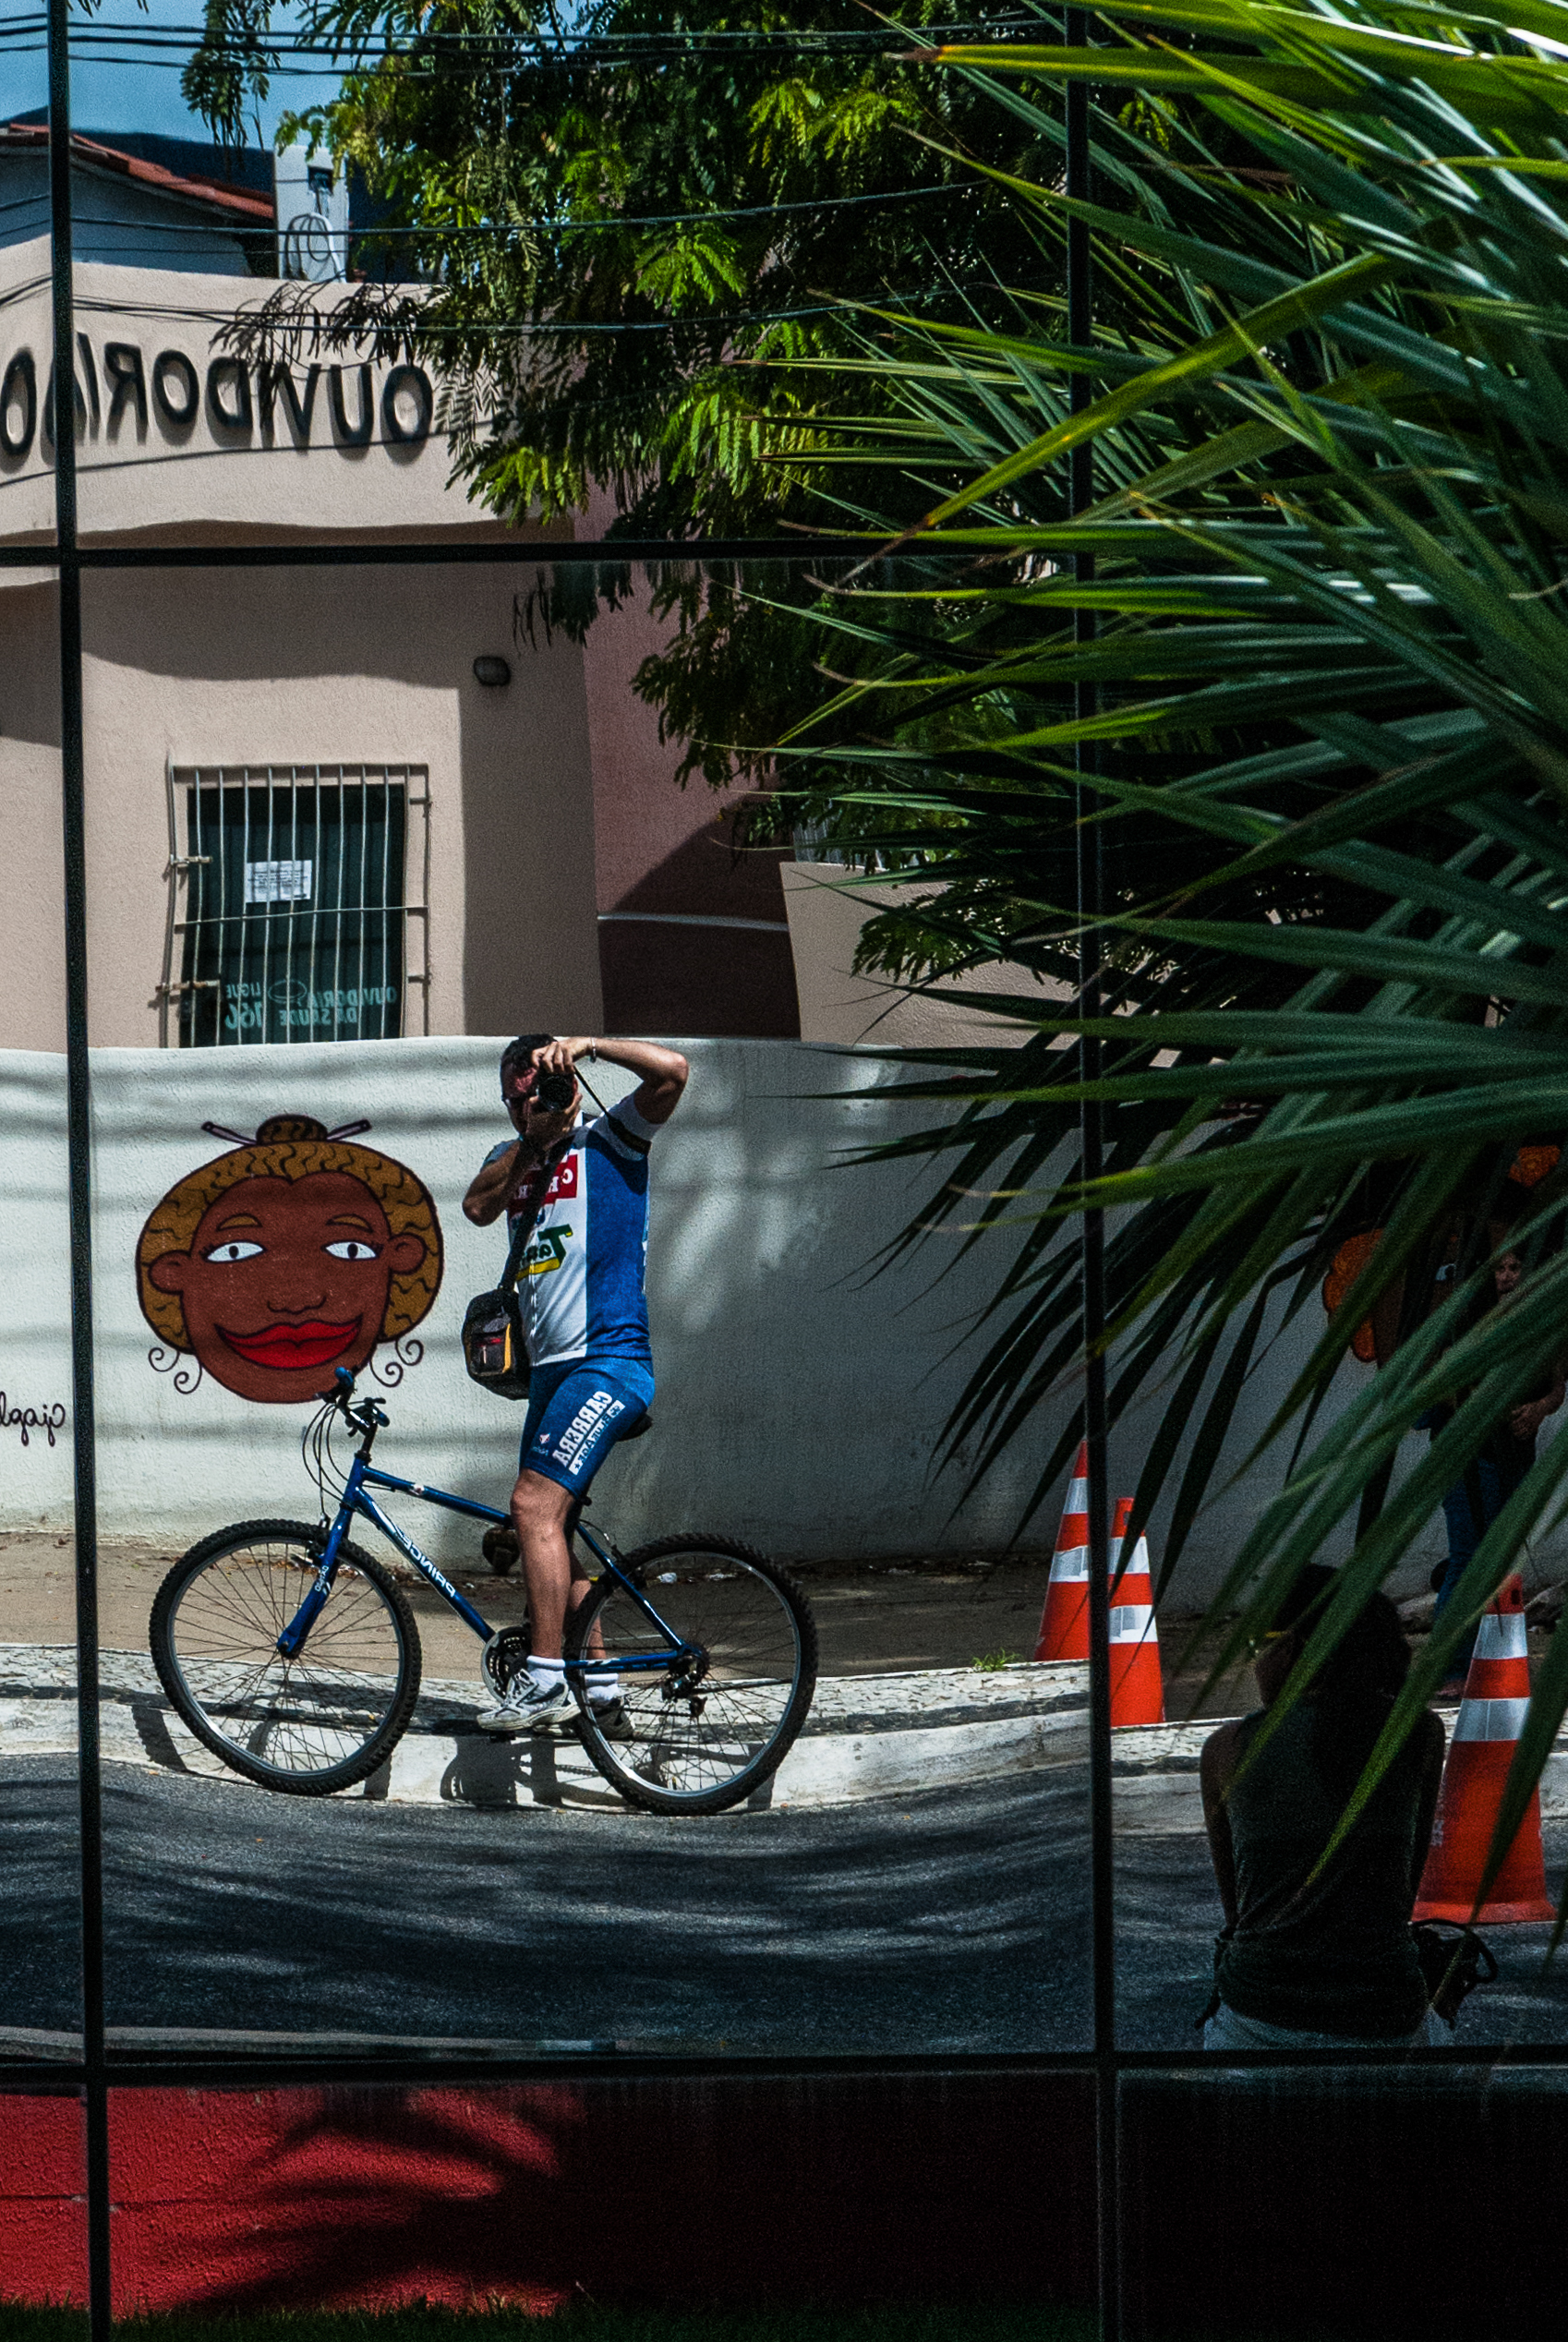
(287, 1346)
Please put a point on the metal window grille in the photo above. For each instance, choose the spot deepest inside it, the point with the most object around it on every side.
(298, 904)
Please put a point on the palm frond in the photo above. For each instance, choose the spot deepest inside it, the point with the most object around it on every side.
(1331, 655)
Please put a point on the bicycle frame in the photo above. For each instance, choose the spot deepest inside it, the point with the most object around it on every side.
(363, 1475)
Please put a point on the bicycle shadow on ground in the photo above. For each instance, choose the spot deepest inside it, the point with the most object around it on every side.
(533, 1769)
(486, 1773)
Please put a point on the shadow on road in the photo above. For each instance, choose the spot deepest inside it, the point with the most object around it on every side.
(954, 1921)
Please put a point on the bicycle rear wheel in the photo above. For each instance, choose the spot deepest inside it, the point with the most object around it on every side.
(308, 1725)
(693, 1735)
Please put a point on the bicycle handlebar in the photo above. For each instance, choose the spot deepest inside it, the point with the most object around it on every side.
(367, 1417)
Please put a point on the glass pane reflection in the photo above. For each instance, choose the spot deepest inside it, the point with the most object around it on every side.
(912, 1876)
(1330, 1945)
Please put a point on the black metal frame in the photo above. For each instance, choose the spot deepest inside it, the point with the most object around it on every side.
(95, 2072)
(1096, 1427)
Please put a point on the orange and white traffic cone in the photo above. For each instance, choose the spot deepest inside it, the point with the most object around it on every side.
(1064, 1622)
(1491, 1717)
(1138, 1695)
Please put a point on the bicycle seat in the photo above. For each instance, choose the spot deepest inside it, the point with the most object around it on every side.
(643, 1423)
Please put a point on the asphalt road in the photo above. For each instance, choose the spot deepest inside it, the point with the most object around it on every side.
(952, 1921)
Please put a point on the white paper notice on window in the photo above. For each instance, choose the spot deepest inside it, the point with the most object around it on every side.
(278, 881)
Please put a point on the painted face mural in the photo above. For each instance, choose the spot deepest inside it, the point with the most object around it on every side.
(291, 1256)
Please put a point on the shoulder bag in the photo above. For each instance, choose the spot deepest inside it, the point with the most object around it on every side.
(493, 1348)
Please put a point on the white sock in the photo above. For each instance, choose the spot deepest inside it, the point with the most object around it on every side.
(602, 1684)
(549, 1674)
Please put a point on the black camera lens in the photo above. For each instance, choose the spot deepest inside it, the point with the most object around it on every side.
(554, 1092)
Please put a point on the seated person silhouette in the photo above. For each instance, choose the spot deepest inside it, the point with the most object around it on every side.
(1309, 1957)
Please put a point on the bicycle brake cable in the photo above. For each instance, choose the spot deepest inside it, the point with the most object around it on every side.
(315, 1446)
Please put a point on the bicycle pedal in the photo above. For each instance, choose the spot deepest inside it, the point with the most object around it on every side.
(610, 1721)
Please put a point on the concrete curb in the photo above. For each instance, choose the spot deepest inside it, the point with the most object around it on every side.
(867, 1736)
(1155, 1787)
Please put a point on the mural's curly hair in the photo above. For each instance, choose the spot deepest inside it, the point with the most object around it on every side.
(292, 1146)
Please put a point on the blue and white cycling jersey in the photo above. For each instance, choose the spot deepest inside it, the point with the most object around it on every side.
(582, 1286)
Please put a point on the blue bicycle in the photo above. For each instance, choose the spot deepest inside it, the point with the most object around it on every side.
(293, 1654)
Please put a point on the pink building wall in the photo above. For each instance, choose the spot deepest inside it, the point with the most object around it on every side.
(668, 852)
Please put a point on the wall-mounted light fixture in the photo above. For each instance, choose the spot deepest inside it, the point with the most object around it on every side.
(490, 670)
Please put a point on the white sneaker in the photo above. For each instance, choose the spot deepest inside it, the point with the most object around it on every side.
(527, 1708)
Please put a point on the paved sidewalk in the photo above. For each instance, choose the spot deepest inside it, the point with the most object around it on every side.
(1156, 1784)
(873, 1618)
(866, 1737)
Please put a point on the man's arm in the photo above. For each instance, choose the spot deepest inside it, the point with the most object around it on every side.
(663, 1071)
(486, 1198)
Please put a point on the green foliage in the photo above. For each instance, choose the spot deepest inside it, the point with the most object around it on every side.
(1327, 764)
(614, 230)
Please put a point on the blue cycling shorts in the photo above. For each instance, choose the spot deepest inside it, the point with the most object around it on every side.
(576, 1412)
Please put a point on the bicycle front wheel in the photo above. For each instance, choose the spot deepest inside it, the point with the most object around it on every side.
(692, 1710)
(319, 1721)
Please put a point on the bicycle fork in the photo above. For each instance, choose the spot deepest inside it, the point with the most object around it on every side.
(291, 1642)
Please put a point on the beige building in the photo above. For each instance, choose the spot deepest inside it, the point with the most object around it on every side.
(349, 801)
(333, 802)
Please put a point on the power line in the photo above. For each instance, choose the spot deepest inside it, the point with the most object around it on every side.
(545, 228)
(427, 69)
(521, 48)
(574, 44)
(316, 320)
(439, 56)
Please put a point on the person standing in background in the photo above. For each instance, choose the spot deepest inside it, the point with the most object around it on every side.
(1473, 1503)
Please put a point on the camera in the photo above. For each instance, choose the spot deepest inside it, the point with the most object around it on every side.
(554, 1093)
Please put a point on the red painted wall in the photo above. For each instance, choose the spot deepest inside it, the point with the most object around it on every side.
(849, 2188)
(42, 2210)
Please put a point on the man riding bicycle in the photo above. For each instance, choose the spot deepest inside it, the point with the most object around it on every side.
(585, 1184)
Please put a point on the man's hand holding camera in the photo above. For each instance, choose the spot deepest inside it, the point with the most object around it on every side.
(542, 1099)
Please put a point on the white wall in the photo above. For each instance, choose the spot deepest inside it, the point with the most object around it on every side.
(826, 909)
(35, 1473)
(799, 1402)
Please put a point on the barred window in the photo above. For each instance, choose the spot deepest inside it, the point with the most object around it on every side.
(296, 905)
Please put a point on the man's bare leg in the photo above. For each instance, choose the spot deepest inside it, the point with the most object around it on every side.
(550, 1561)
(539, 1508)
(555, 1582)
